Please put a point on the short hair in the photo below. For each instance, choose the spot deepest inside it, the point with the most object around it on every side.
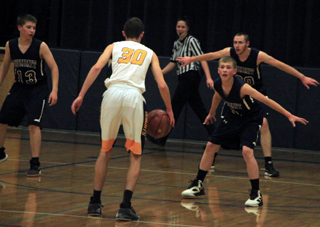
(245, 35)
(24, 18)
(133, 27)
(228, 59)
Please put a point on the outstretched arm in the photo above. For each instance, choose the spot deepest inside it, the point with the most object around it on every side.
(205, 57)
(163, 87)
(306, 81)
(248, 90)
(91, 77)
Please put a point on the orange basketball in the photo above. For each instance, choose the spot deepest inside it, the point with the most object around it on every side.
(158, 123)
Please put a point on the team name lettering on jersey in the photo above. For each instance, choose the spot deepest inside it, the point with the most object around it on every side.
(245, 70)
(25, 63)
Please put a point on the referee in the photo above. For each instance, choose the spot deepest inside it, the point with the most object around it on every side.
(188, 78)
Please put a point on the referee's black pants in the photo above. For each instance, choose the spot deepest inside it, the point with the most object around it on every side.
(187, 91)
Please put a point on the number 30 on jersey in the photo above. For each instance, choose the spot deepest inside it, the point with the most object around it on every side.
(137, 58)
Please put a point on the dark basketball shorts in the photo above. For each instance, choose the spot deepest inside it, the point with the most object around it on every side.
(265, 109)
(24, 100)
(235, 131)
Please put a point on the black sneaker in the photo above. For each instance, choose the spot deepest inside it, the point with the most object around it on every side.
(3, 155)
(127, 214)
(94, 209)
(271, 171)
(195, 189)
(34, 170)
(160, 142)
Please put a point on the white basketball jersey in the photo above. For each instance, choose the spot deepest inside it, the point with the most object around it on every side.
(130, 63)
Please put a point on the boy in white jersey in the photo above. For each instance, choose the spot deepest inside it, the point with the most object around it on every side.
(123, 103)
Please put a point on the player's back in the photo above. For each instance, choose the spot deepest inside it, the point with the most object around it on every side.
(130, 63)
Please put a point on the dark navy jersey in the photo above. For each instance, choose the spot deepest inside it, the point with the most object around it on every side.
(248, 70)
(28, 66)
(240, 106)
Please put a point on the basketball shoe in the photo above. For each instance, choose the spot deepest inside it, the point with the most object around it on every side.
(195, 189)
(94, 208)
(255, 199)
(270, 171)
(127, 214)
(3, 155)
(34, 170)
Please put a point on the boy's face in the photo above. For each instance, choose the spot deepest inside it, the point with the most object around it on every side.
(240, 45)
(27, 30)
(226, 70)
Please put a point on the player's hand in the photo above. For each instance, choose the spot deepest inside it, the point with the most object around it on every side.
(294, 119)
(309, 81)
(185, 60)
(172, 121)
(76, 105)
(209, 119)
(210, 84)
(53, 98)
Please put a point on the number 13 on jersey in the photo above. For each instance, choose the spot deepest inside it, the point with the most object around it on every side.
(137, 58)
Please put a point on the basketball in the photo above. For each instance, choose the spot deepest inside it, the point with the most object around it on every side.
(158, 123)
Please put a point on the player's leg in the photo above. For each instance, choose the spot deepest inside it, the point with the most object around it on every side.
(35, 144)
(110, 121)
(196, 187)
(12, 113)
(101, 168)
(134, 127)
(266, 141)
(35, 102)
(126, 211)
(3, 134)
(253, 172)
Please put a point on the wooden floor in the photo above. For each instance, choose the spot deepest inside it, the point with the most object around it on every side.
(61, 195)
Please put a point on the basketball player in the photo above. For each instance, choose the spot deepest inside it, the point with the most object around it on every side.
(28, 95)
(242, 121)
(123, 103)
(248, 60)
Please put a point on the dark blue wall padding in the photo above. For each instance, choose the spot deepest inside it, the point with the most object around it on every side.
(285, 89)
(60, 116)
(308, 107)
(89, 113)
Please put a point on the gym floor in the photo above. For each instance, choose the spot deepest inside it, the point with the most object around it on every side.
(60, 196)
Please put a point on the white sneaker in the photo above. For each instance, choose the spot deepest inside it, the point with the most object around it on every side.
(255, 199)
(195, 189)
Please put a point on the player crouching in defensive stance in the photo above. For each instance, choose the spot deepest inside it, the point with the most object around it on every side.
(123, 103)
(241, 122)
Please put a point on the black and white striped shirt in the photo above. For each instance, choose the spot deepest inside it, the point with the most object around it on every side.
(189, 46)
